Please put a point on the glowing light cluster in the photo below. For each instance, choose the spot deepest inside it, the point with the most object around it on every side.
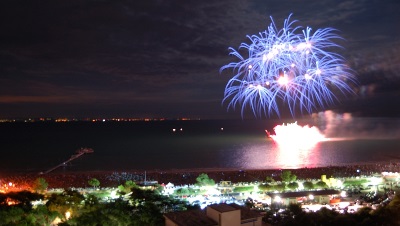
(298, 137)
(291, 65)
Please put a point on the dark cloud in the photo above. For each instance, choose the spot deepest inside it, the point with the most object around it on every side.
(158, 58)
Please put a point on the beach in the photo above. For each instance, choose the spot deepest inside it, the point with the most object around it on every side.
(188, 176)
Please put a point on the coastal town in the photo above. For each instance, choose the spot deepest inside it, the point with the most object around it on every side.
(266, 193)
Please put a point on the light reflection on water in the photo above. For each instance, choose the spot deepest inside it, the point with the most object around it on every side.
(274, 155)
(201, 144)
(271, 155)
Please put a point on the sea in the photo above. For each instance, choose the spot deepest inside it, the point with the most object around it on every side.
(194, 144)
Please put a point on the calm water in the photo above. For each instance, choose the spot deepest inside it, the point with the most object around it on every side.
(35, 147)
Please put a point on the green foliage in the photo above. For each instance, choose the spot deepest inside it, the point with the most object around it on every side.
(148, 214)
(293, 185)
(40, 185)
(308, 185)
(287, 176)
(243, 189)
(69, 200)
(355, 182)
(280, 187)
(320, 185)
(91, 200)
(204, 180)
(11, 216)
(127, 187)
(101, 194)
(265, 187)
(148, 211)
(94, 182)
(118, 212)
(42, 216)
(269, 187)
(15, 215)
(269, 179)
(158, 189)
(186, 191)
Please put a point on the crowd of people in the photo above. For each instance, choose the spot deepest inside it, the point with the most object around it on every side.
(188, 176)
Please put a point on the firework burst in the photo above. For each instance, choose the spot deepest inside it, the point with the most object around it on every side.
(291, 65)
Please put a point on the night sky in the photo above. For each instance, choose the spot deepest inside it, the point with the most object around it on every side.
(155, 58)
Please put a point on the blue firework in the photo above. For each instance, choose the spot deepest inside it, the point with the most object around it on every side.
(292, 66)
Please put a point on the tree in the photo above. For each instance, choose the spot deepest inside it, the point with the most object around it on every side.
(11, 216)
(308, 185)
(69, 200)
(41, 216)
(287, 176)
(269, 179)
(204, 180)
(266, 187)
(117, 212)
(94, 182)
(280, 187)
(40, 185)
(127, 187)
(148, 214)
(293, 185)
(182, 191)
(321, 184)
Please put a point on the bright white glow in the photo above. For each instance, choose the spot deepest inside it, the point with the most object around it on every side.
(301, 46)
(311, 197)
(277, 199)
(307, 76)
(297, 136)
(343, 194)
(270, 56)
(283, 80)
(376, 180)
(390, 174)
(67, 215)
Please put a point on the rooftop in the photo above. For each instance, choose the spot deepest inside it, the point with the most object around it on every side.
(191, 218)
(222, 207)
(200, 218)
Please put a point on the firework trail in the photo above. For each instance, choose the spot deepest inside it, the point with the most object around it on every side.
(291, 65)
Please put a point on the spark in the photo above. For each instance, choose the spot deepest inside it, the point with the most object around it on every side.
(291, 65)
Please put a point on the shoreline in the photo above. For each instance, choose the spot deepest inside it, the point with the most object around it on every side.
(79, 179)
